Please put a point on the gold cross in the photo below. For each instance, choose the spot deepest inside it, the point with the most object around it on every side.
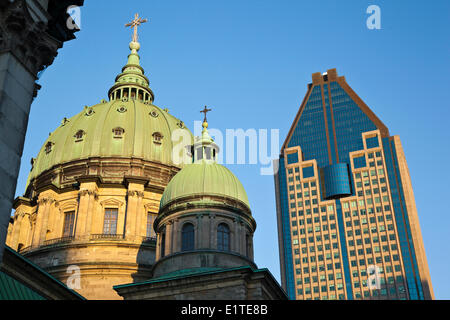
(135, 24)
(205, 111)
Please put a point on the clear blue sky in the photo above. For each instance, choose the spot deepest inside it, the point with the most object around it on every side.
(251, 61)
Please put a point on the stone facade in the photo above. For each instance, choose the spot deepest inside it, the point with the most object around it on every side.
(39, 226)
(31, 32)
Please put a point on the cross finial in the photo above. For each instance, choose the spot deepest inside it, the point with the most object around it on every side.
(205, 111)
(135, 24)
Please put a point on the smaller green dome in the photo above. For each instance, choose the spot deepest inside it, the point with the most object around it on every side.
(204, 178)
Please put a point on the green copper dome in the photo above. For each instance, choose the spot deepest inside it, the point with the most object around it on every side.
(204, 178)
(128, 126)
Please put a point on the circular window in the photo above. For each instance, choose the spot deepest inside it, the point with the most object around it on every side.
(89, 112)
(122, 109)
(154, 114)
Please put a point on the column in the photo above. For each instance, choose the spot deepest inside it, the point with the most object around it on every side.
(141, 215)
(80, 222)
(235, 241)
(168, 236)
(16, 230)
(26, 48)
(92, 196)
(242, 241)
(135, 208)
(40, 230)
(130, 223)
(176, 236)
(212, 237)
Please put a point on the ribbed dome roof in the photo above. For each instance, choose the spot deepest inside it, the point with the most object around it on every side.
(139, 122)
(204, 178)
(128, 126)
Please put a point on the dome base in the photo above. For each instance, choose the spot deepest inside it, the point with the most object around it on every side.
(200, 259)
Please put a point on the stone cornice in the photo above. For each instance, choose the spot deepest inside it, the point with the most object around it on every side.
(138, 180)
(69, 176)
(26, 38)
(22, 201)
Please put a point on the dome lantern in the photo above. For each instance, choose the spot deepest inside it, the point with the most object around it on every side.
(204, 148)
(132, 83)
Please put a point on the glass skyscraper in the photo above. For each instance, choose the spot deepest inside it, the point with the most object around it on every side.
(347, 220)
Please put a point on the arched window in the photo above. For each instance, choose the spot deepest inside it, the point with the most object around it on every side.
(223, 237)
(187, 237)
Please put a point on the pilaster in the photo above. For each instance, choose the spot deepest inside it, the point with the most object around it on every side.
(135, 208)
(88, 195)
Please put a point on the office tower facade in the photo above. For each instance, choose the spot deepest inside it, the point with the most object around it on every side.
(347, 220)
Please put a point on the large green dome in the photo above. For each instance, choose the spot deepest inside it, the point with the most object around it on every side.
(128, 126)
(146, 134)
(204, 178)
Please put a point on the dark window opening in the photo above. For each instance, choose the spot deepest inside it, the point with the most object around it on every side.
(187, 237)
(223, 237)
(69, 223)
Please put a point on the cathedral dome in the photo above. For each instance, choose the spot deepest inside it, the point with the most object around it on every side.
(130, 129)
(204, 181)
(126, 126)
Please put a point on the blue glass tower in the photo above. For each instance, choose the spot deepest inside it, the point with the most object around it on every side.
(347, 221)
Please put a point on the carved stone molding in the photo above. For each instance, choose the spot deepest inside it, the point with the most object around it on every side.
(87, 192)
(25, 37)
(32, 219)
(135, 193)
(46, 200)
(113, 202)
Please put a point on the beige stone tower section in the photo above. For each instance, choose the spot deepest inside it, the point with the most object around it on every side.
(413, 216)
